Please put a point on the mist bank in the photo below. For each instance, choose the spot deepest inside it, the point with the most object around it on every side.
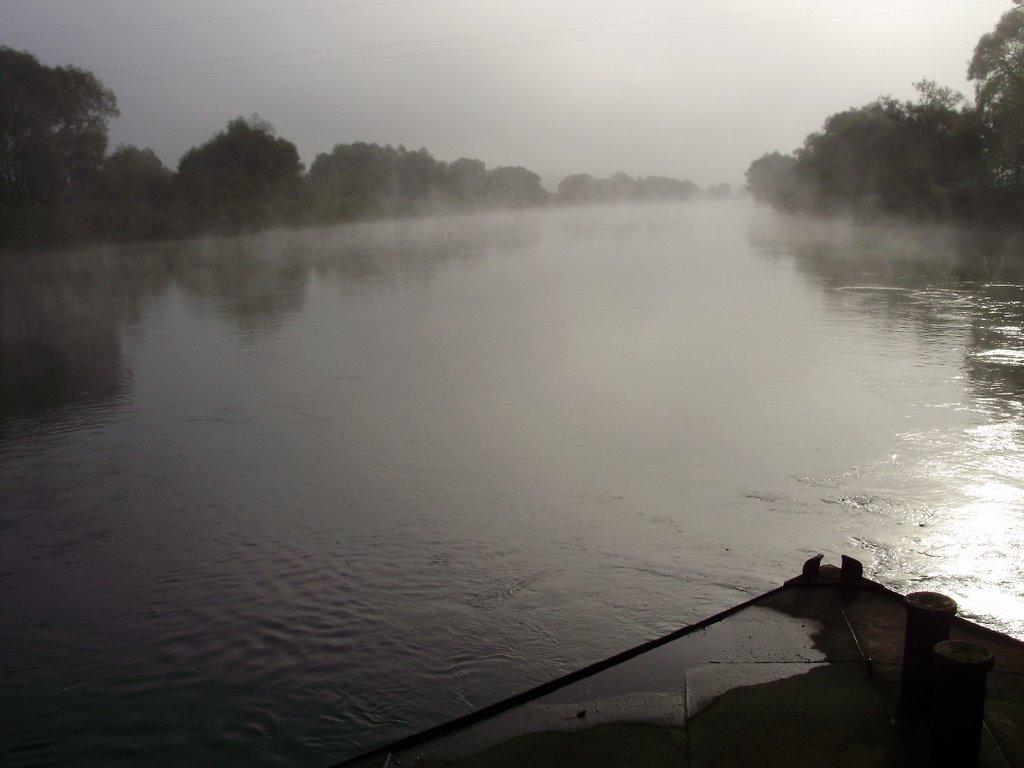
(59, 185)
(938, 157)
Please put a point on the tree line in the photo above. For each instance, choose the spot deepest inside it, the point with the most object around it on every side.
(939, 156)
(584, 188)
(59, 184)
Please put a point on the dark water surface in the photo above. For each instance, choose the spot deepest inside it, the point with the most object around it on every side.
(275, 500)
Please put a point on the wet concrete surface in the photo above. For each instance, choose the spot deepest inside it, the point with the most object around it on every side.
(808, 675)
(826, 716)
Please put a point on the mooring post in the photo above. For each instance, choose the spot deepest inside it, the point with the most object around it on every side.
(852, 570)
(811, 568)
(929, 618)
(958, 708)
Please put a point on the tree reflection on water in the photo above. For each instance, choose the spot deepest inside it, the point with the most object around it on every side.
(65, 313)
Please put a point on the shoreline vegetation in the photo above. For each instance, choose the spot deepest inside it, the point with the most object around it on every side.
(60, 187)
(939, 157)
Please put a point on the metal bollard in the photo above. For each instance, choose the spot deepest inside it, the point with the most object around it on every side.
(811, 568)
(929, 617)
(958, 707)
(852, 570)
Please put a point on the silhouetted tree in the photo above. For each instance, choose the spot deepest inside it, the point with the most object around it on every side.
(770, 180)
(243, 177)
(135, 196)
(584, 188)
(938, 156)
(997, 69)
(58, 185)
(889, 157)
(419, 176)
(515, 187)
(358, 180)
(53, 137)
(577, 188)
(665, 188)
(467, 182)
(353, 180)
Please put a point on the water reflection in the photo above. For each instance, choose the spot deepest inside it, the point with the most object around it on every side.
(963, 488)
(61, 334)
(245, 481)
(65, 315)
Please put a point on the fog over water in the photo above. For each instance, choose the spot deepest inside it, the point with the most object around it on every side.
(692, 90)
(281, 498)
(364, 362)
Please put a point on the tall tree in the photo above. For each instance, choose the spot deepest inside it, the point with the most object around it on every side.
(135, 196)
(770, 180)
(997, 69)
(53, 136)
(243, 177)
(467, 181)
(515, 187)
(354, 180)
(922, 157)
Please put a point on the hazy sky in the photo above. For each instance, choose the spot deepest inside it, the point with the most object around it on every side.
(691, 88)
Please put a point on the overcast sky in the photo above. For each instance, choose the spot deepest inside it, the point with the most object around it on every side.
(690, 88)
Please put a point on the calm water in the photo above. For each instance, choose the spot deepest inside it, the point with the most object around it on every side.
(279, 499)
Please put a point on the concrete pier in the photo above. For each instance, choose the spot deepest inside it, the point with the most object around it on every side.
(807, 675)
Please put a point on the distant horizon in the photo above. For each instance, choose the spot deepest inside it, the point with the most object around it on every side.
(550, 183)
(652, 90)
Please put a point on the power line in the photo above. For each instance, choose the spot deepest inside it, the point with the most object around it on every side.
(470, 38)
(538, 44)
(210, 19)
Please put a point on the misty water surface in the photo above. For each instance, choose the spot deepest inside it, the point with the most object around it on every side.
(279, 499)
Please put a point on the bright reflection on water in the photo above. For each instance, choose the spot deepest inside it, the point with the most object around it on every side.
(279, 499)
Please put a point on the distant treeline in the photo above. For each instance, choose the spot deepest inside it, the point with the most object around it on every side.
(938, 156)
(59, 185)
(584, 188)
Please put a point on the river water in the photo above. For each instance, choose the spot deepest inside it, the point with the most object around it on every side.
(275, 500)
